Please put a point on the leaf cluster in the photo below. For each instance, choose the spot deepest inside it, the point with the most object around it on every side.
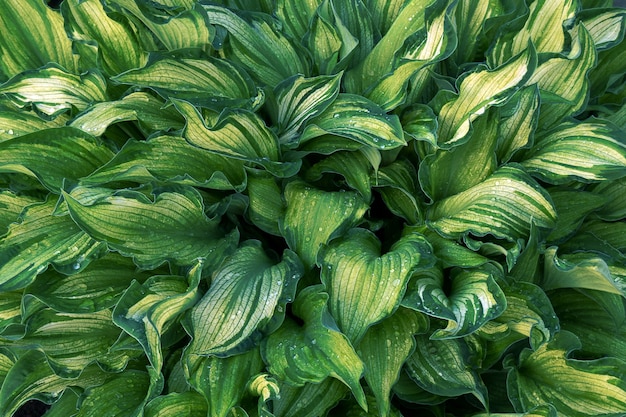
(307, 208)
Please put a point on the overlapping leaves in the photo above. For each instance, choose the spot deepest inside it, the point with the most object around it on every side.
(312, 208)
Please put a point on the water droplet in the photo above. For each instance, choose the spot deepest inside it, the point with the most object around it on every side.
(76, 266)
(336, 115)
(320, 229)
(314, 341)
(10, 131)
(395, 282)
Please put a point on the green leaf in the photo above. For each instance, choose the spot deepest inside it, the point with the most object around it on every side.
(315, 351)
(14, 123)
(581, 270)
(473, 299)
(614, 193)
(221, 381)
(596, 317)
(443, 367)
(398, 186)
(40, 239)
(124, 395)
(574, 387)
(299, 99)
(12, 206)
(266, 206)
(144, 108)
(33, 36)
(173, 227)
(518, 123)
(247, 292)
(145, 161)
(562, 80)
(71, 342)
(54, 156)
(144, 309)
(478, 91)
(358, 119)
(414, 58)
(354, 167)
(188, 29)
(528, 315)
(295, 16)
(175, 404)
(238, 134)
(52, 90)
(384, 348)
(309, 400)
(543, 27)
(579, 151)
(572, 207)
(97, 287)
(31, 378)
(504, 205)
(260, 48)
(330, 46)
(210, 82)
(117, 43)
(314, 217)
(448, 172)
(380, 60)
(365, 286)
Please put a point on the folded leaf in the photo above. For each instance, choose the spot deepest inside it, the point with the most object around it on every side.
(480, 90)
(448, 172)
(574, 387)
(262, 50)
(365, 286)
(221, 381)
(504, 205)
(141, 107)
(309, 400)
(398, 187)
(296, 16)
(543, 26)
(95, 288)
(580, 270)
(314, 217)
(40, 239)
(190, 404)
(125, 395)
(596, 317)
(31, 377)
(442, 367)
(54, 156)
(518, 123)
(14, 123)
(144, 309)
(562, 80)
(189, 29)
(299, 99)
(145, 161)
(614, 193)
(12, 206)
(358, 119)
(52, 90)
(384, 348)
(117, 43)
(71, 342)
(173, 227)
(210, 82)
(33, 36)
(299, 355)
(583, 151)
(238, 134)
(354, 167)
(247, 292)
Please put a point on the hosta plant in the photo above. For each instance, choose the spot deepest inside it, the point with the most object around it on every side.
(311, 208)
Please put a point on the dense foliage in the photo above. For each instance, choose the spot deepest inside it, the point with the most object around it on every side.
(313, 207)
